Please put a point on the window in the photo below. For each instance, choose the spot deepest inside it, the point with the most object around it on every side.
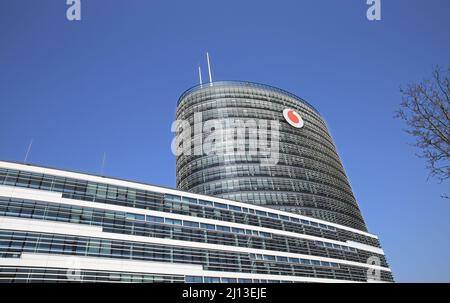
(91, 189)
(269, 258)
(176, 206)
(284, 218)
(191, 224)
(315, 262)
(223, 228)
(211, 280)
(101, 190)
(155, 219)
(173, 221)
(192, 279)
(256, 256)
(220, 205)
(204, 202)
(238, 230)
(172, 197)
(282, 259)
(135, 216)
(237, 208)
(264, 234)
(122, 194)
(94, 247)
(112, 192)
(261, 213)
(208, 226)
(190, 200)
(105, 247)
(131, 195)
(140, 217)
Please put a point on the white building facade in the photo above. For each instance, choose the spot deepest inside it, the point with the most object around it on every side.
(63, 226)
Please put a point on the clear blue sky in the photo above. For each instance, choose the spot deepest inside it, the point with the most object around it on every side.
(110, 83)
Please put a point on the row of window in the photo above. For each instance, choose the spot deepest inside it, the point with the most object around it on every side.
(307, 161)
(314, 146)
(304, 204)
(198, 177)
(293, 260)
(109, 194)
(319, 141)
(220, 182)
(335, 246)
(9, 274)
(250, 211)
(302, 175)
(233, 89)
(200, 279)
(161, 227)
(213, 260)
(248, 111)
(193, 224)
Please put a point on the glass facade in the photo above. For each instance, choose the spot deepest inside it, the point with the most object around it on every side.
(308, 179)
(61, 226)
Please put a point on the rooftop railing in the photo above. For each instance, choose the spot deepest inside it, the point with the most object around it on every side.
(244, 84)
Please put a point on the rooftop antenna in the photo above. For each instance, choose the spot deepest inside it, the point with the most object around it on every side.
(103, 163)
(200, 74)
(209, 67)
(28, 151)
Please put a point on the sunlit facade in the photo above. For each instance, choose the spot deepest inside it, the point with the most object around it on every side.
(63, 226)
(308, 179)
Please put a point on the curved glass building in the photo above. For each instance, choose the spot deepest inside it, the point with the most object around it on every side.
(274, 206)
(308, 177)
(63, 226)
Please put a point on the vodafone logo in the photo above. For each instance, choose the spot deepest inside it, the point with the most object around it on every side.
(293, 118)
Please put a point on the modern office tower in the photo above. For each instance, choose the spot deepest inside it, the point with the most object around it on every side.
(308, 178)
(58, 225)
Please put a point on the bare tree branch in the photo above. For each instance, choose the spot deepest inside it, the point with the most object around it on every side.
(425, 109)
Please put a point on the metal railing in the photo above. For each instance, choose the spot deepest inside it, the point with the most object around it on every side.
(244, 84)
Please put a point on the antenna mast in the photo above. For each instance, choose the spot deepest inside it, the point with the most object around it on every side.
(209, 67)
(103, 163)
(28, 151)
(200, 74)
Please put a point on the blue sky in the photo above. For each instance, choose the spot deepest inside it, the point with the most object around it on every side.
(110, 82)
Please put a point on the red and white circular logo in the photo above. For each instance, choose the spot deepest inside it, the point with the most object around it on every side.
(293, 118)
